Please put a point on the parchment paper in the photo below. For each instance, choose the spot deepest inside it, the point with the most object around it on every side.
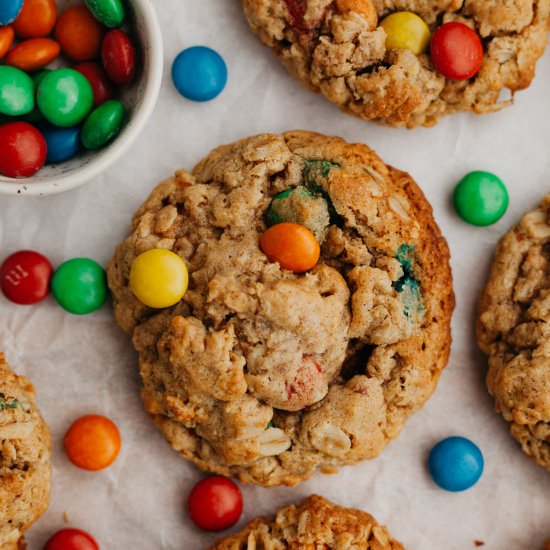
(83, 365)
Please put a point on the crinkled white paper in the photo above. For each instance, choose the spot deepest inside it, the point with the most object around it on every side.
(83, 365)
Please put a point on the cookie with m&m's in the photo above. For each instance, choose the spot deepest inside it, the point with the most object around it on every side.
(406, 63)
(296, 312)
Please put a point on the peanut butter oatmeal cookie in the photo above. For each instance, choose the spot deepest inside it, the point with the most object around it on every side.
(24, 459)
(315, 523)
(514, 331)
(338, 48)
(265, 374)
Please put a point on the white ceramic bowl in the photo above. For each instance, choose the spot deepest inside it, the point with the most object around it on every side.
(139, 100)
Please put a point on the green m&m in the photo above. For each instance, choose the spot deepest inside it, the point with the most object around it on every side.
(16, 92)
(103, 124)
(480, 198)
(109, 12)
(80, 286)
(65, 97)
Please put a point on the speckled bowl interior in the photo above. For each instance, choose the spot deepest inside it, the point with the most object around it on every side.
(138, 98)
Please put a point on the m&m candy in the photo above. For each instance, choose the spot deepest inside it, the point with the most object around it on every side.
(456, 464)
(215, 503)
(456, 51)
(92, 442)
(65, 97)
(101, 86)
(71, 539)
(103, 124)
(9, 10)
(22, 150)
(16, 92)
(110, 12)
(36, 19)
(25, 277)
(63, 143)
(480, 198)
(6, 40)
(119, 57)
(33, 54)
(292, 246)
(406, 30)
(158, 278)
(79, 286)
(79, 34)
(199, 73)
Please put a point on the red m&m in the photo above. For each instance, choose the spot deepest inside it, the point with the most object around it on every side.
(215, 503)
(71, 539)
(25, 277)
(22, 150)
(456, 51)
(102, 88)
(119, 57)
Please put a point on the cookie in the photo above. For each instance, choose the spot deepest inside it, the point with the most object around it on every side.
(338, 48)
(266, 374)
(314, 523)
(513, 329)
(24, 459)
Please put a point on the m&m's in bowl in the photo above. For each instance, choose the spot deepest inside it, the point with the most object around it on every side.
(78, 82)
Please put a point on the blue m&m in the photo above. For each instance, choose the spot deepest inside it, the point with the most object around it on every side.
(199, 73)
(456, 464)
(63, 143)
(9, 10)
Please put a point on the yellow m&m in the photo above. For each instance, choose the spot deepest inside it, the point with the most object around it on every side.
(406, 30)
(158, 278)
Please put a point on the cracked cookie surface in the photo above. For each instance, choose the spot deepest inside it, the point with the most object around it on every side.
(514, 331)
(338, 48)
(24, 459)
(265, 374)
(314, 523)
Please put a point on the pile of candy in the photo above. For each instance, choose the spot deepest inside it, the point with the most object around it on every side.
(49, 115)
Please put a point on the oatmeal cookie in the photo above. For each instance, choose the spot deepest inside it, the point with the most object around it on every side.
(24, 459)
(513, 329)
(265, 374)
(314, 523)
(338, 48)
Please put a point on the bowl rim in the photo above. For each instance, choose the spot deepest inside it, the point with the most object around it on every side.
(83, 174)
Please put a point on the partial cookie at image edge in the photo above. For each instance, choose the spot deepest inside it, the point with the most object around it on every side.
(314, 523)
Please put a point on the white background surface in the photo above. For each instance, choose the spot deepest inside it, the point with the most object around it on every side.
(83, 365)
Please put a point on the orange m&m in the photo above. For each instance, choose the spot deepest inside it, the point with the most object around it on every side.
(79, 33)
(292, 245)
(33, 54)
(36, 19)
(6, 40)
(92, 442)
